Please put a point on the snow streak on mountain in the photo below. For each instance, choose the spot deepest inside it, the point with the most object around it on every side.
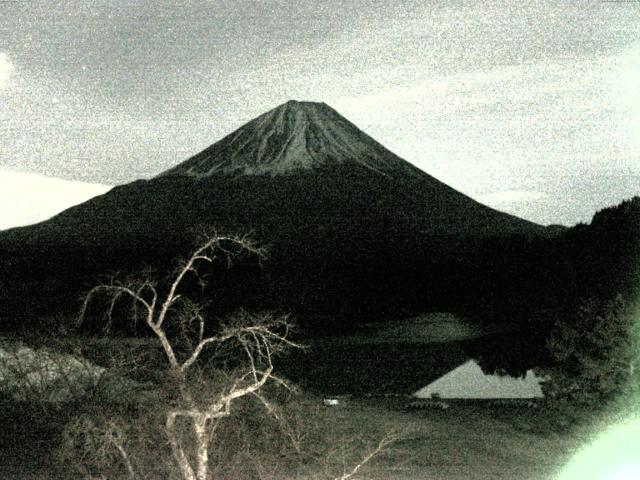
(296, 136)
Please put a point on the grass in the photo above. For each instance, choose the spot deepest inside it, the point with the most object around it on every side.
(467, 441)
(464, 442)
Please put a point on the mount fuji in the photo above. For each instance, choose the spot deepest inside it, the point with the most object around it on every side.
(350, 226)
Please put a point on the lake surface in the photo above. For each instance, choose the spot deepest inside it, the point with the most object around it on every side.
(398, 358)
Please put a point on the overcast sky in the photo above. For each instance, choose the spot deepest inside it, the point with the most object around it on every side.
(531, 107)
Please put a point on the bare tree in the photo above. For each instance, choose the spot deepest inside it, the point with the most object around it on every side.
(258, 337)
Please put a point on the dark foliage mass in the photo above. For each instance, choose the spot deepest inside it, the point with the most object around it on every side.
(594, 357)
(539, 284)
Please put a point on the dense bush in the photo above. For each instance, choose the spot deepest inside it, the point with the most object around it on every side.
(594, 355)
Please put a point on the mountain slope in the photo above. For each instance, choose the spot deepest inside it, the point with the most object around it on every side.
(294, 137)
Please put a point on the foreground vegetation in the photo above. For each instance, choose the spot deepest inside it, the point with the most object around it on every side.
(201, 398)
(304, 439)
(207, 405)
(462, 442)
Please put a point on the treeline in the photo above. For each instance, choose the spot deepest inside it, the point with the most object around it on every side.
(542, 286)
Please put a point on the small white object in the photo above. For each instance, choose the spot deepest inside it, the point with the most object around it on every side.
(330, 402)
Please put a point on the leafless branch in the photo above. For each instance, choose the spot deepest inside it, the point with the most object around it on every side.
(382, 445)
(260, 337)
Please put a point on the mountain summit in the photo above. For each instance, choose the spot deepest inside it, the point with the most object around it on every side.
(295, 136)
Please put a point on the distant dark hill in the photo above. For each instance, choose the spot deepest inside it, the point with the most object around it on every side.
(351, 227)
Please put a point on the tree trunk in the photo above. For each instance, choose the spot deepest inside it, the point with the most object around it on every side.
(200, 427)
(178, 453)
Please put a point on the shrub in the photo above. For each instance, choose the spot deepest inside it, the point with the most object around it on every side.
(594, 355)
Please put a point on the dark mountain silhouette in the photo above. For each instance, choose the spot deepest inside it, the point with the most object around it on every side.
(351, 227)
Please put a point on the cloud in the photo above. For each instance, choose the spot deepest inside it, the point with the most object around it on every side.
(27, 198)
(6, 68)
(479, 128)
(507, 197)
(531, 205)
